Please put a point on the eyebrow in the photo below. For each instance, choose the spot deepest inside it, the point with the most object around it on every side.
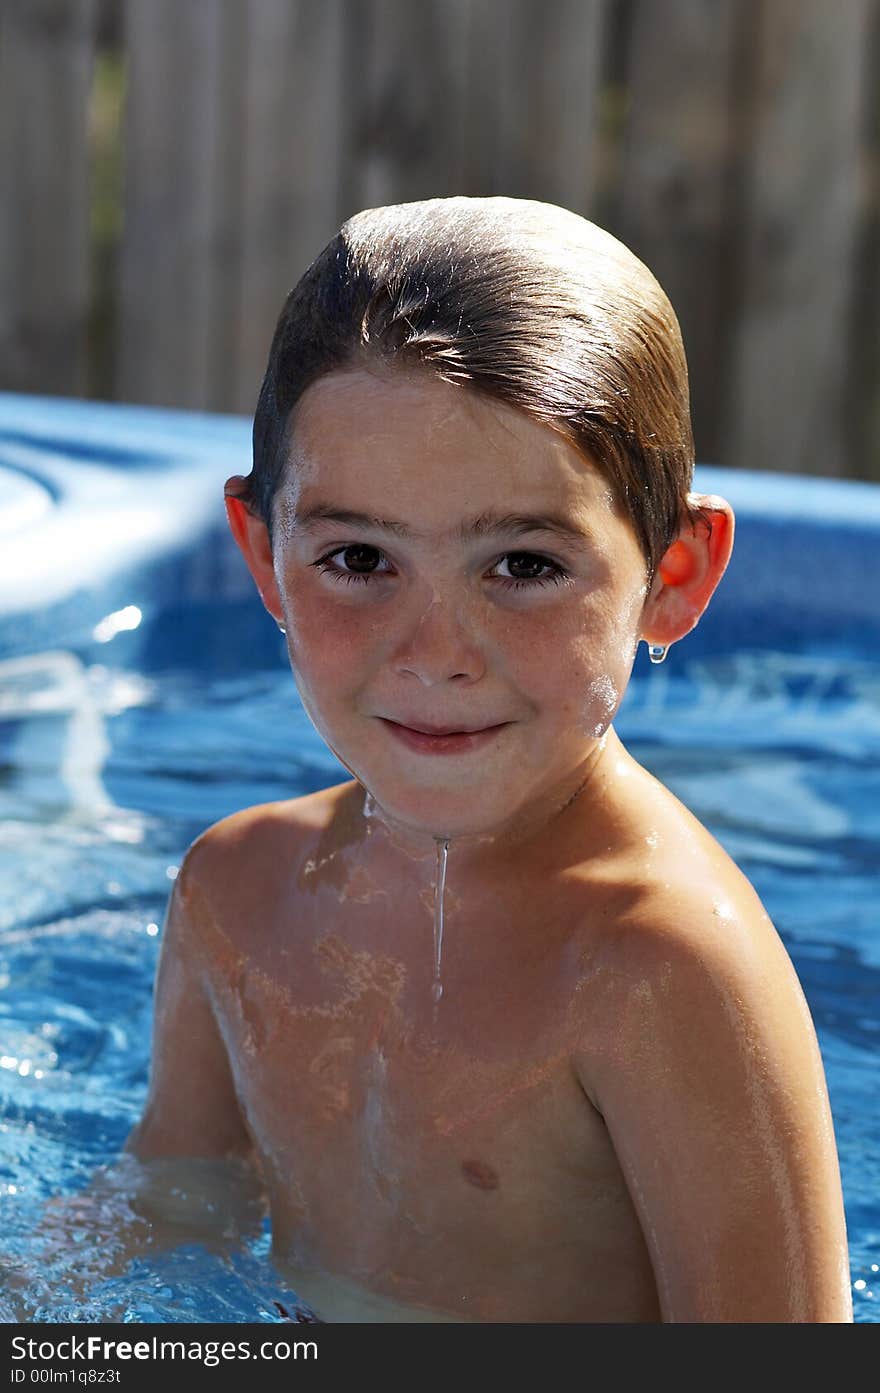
(484, 524)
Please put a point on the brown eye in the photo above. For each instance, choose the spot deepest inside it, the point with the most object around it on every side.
(524, 565)
(531, 563)
(358, 556)
(360, 567)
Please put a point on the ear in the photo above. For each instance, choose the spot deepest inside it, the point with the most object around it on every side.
(689, 571)
(252, 536)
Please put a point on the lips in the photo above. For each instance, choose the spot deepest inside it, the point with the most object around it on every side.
(457, 742)
(424, 729)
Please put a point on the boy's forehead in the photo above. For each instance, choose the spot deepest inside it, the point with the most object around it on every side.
(358, 433)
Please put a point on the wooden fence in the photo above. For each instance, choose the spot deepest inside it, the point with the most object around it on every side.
(168, 168)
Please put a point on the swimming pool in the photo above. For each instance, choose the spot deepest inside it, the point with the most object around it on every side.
(144, 694)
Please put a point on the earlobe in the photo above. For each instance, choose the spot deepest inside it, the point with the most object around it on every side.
(690, 570)
(252, 537)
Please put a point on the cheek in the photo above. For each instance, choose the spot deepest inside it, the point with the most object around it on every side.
(327, 640)
(591, 664)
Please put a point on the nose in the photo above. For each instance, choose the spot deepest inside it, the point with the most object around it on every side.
(440, 645)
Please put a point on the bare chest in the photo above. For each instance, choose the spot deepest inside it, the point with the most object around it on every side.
(443, 1155)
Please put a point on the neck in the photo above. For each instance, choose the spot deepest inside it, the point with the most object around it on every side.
(536, 834)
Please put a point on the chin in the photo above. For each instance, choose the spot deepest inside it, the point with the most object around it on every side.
(437, 813)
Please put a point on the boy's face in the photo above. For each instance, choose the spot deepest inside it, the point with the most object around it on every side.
(439, 634)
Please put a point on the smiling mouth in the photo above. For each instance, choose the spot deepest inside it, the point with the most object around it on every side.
(440, 731)
(449, 743)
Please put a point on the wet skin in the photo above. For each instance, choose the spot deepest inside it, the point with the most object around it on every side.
(521, 628)
(449, 1160)
(616, 1111)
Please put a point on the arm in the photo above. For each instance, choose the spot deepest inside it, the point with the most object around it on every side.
(192, 1108)
(195, 1156)
(708, 1074)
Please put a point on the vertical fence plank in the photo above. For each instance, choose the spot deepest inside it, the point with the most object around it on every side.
(787, 407)
(175, 253)
(405, 82)
(291, 195)
(46, 61)
(533, 86)
(675, 178)
(746, 177)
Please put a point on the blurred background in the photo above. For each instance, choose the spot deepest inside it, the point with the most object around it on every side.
(168, 169)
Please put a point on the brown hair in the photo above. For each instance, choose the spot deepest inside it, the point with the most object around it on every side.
(523, 301)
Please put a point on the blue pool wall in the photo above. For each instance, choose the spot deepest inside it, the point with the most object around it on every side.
(106, 505)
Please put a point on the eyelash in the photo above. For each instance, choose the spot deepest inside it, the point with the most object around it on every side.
(558, 576)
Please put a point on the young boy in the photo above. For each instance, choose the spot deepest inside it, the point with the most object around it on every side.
(503, 1031)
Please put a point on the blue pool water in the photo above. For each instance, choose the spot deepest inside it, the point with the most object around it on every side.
(144, 694)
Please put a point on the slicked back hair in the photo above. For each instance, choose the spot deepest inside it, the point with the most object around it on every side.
(524, 302)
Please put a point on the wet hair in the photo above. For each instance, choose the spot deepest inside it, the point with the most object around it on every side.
(524, 302)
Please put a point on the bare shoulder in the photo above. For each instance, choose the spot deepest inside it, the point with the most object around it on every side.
(702, 1058)
(699, 958)
(243, 865)
(249, 829)
(690, 940)
(266, 832)
(675, 887)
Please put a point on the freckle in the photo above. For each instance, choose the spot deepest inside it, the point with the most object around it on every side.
(479, 1174)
